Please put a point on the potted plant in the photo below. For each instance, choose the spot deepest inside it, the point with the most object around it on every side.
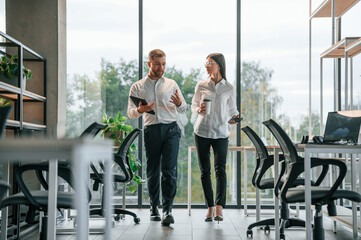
(4, 102)
(116, 129)
(9, 70)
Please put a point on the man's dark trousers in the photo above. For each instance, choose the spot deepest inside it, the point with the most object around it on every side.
(162, 146)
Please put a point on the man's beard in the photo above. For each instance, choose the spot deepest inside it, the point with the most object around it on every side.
(157, 74)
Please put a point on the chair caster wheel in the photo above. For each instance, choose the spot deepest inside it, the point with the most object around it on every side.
(136, 220)
(267, 229)
(282, 236)
(249, 233)
(117, 217)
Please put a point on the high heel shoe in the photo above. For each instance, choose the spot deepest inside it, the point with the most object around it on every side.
(209, 219)
(218, 218)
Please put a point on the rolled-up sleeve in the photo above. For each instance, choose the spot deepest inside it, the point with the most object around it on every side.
(196, 104)
(183, 107)
(132, 109)
(231, 104)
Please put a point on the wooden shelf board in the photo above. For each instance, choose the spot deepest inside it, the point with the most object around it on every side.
(12, 94)
(338, 49)
(354, 48)
(344, 215)
(341, 6)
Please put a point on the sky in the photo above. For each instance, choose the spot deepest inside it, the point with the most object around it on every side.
(273, 33)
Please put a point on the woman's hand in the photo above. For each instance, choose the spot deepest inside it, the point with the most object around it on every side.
(234, 120)
(202, 110)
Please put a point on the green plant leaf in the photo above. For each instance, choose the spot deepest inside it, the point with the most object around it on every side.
(132, 188)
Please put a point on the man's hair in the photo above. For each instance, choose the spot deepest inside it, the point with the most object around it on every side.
(155, 53)
(219, 59)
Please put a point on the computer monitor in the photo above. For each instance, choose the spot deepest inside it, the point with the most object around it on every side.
(340, 127)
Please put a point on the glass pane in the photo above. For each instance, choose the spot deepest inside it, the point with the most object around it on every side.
(187, 32)
(274, 80)
(102, 64)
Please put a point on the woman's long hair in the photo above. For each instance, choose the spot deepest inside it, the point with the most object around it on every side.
(219, 59)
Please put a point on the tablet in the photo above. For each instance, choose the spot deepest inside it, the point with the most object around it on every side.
(137, 100)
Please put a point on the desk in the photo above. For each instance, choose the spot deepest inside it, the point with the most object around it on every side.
(321, 148)
(80, 152)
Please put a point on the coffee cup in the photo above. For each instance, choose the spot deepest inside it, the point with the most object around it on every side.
(207, 103)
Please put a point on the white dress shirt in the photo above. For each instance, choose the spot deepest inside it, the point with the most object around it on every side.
(223, 107)
(160, 92)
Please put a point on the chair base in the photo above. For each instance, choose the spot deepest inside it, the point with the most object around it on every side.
(284, 223)
(117, 211)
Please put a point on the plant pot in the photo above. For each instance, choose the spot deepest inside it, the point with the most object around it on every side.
(13, 81)
(119, 135)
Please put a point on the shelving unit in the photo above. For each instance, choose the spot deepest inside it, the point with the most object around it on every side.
(346, 48)
(29, 105)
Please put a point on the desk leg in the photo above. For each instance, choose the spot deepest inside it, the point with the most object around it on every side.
(4, 211)
(277, 204)
(245, 180)
(353, 187)
(109, 195)
(308, 194)
(52, 198)
(189, 179)
(81, 180)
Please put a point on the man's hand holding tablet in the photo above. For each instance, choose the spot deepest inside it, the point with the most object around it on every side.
(143, 105)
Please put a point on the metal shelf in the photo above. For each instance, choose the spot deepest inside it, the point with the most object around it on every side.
(338, 49)
(354, 48)
(341, 6)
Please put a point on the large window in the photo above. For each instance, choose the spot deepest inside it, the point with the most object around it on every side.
(187, 31)
(102, 44)
(274, 81)
(103, 63)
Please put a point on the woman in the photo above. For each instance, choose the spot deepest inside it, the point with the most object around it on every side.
(211, 129)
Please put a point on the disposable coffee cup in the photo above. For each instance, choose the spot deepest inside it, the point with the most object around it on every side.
(207, 103)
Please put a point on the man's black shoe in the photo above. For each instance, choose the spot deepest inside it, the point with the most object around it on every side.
(154, 214)
(167, 219)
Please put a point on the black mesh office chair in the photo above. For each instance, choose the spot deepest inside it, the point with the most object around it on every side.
(120, 158)
(4, 114)
(319, 195)
(264, 162)
(37, 200)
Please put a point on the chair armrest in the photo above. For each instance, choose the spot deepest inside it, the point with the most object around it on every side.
(297, 168)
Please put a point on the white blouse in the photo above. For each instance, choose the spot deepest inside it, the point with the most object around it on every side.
(157, 91)
(223, 107)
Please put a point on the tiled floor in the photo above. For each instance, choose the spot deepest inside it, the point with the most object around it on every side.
(186, 227)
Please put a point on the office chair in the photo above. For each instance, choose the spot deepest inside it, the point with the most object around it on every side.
(4, 114)
(120, 158)
(37, 200)
(319, 195)
(264, 162)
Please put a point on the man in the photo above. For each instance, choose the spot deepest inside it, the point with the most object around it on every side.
(161, 132)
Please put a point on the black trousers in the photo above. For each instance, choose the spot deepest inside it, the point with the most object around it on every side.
(162, 147)
(220, 149)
